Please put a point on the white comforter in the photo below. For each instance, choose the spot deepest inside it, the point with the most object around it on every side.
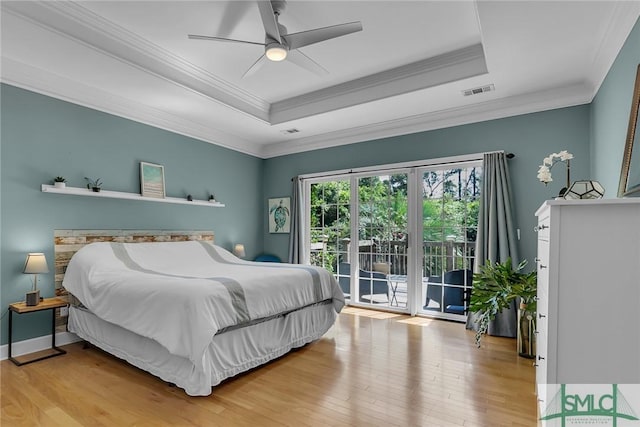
(181, 294)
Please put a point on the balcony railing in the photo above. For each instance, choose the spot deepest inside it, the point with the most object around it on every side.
(438, 257)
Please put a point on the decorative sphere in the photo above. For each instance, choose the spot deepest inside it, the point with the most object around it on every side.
(584, 190)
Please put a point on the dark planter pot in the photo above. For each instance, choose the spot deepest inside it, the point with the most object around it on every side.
(95, 189)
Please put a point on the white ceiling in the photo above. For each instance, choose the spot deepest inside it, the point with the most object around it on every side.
(405, 72)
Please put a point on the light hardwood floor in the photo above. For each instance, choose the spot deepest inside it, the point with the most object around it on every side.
(370, 369)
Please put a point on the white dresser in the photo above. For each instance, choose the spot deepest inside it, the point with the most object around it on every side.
(588, 327)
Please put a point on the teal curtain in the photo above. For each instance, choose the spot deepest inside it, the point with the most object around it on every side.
(497, 239)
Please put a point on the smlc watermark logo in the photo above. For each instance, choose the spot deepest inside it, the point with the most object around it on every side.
(592, 405)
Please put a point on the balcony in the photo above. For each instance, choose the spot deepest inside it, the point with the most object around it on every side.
(382, 276)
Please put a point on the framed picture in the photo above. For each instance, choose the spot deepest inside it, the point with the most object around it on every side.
(279, 215)
(152, 180)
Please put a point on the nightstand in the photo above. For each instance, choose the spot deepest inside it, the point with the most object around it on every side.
(45, 304)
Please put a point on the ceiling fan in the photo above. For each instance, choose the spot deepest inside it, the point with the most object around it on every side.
(278, 45)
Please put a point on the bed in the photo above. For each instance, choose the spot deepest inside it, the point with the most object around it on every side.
(190, 312)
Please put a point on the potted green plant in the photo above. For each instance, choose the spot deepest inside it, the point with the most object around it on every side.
(494, 288)
(93, 185)
(59, 182)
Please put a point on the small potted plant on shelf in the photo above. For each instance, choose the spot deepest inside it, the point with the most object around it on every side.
(94, 185)
(494, 288)
(59, 182)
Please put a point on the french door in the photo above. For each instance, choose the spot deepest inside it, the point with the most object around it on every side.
(448, 226)
(401, 239)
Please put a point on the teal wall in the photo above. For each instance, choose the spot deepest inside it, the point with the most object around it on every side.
(530, 137)
(610, 111)
(42, 137)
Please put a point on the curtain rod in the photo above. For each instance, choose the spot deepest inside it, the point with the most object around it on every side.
(350, 171)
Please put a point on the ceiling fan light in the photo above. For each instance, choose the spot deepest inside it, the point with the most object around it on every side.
(276, 52)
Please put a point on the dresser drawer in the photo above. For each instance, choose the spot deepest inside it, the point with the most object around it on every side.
(542, 229)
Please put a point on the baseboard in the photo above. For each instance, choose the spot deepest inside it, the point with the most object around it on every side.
(36, 344)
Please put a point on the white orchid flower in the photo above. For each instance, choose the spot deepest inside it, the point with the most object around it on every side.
(544, 172)
(565, 155)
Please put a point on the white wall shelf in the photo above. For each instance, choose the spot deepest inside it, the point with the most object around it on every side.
(76, 191)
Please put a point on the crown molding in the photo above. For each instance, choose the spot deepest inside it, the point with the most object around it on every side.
(621, 22)
(80, 25)
(568, 96)
(47, 83)
(445, 68)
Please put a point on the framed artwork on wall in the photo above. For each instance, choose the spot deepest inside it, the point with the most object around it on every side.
(152, 180)
(279, 215)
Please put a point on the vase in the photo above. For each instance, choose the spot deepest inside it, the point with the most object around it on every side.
(526, 332)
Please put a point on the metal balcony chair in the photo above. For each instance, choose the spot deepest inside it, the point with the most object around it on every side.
(454, 296)
(371, 283)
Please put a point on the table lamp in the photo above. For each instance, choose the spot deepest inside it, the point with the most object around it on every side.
(36, 263)
(238, 250)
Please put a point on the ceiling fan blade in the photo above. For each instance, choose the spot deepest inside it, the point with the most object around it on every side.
(305, 38)
(233, 13)
(255, 67)
(303, 61)
(269, 20)
(221, 39)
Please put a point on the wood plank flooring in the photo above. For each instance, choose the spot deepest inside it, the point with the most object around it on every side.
(370, 369)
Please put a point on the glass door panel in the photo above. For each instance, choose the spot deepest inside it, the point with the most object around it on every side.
(330, 229)
(450, 199)
(382, 240)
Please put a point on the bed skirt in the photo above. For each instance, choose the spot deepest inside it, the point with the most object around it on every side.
(230, 353)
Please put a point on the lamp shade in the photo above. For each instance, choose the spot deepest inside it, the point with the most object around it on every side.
(36, 263)
(238, 250)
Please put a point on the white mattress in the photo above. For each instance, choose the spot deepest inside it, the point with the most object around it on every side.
(228, 354)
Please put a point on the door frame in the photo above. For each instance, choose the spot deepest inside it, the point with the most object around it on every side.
(414, 170)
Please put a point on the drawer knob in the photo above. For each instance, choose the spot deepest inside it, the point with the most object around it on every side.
(535, 365)
(540, 358)
(542, 266)
(540, 315)
(540, 227)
